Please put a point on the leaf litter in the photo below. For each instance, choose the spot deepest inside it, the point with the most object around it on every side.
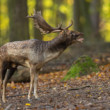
(88, 92)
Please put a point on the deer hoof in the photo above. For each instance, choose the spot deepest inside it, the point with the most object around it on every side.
(29, 99)
(36, 97)
(4, 100)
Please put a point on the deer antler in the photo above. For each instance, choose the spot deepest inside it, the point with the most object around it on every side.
(43, 26)
(69, 25)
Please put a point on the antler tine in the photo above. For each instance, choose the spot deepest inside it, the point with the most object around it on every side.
(35, 12)
(30, 16)
(43, 26)
(60, 26)
(69, 25)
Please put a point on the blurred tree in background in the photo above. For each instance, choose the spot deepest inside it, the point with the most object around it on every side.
(87, 18)
(18, 23)
(90, 17)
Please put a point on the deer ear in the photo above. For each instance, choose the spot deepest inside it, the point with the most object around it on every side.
(65, 30)
(39, 12)
(73, 34)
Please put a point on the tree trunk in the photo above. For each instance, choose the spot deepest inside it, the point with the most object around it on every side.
(18, 22)
(76, 16)
(86, 22)
(95, 17)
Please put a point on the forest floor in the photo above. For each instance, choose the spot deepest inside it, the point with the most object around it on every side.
(91, 92)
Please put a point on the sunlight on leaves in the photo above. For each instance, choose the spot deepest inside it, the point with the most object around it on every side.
(48, 3)
(105, 16)
(70, 2)
(63, 9)
(31, 6)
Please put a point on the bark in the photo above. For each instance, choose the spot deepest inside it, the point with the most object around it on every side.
(95, 16)
(76, 16)
(85, 21)
(18, 22)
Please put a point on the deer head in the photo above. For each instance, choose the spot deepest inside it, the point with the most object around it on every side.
(45, 28)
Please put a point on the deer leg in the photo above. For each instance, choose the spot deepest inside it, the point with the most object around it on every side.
(1, 78)
(4, 87)
(32, 74)
(8, 75)
(11, 72)
(35, 86)
(2, 75)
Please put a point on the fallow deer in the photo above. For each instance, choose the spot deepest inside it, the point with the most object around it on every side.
(34, 53)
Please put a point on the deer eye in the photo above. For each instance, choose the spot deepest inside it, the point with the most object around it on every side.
(74, 34)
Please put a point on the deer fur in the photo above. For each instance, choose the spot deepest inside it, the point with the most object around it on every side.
(32, 54)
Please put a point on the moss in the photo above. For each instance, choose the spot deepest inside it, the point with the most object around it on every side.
(82, 66)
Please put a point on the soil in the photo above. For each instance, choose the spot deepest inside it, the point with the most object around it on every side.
(91, 92)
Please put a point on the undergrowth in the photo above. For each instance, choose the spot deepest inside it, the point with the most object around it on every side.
(82, 66)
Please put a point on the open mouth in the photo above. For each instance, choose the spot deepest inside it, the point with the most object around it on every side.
(80, 39)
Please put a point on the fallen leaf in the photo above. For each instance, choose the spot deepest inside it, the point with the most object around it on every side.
(28, 104)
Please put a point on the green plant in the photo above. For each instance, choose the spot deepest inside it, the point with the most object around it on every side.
(82, 66)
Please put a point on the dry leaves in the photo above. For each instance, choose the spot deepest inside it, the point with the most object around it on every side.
(86, 92)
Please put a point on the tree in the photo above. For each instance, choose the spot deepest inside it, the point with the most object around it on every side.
(95, 16)
(18, 21)
(87, 19)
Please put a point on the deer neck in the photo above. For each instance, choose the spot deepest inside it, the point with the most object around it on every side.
(58, 44)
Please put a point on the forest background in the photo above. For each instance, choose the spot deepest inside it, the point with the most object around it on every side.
(91, 17)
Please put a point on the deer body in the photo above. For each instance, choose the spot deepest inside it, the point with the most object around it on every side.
(31, 51)
(33, 54)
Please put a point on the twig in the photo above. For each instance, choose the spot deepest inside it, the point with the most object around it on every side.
(17, 95)
(102, 102)
(8, 107)
(83, 87)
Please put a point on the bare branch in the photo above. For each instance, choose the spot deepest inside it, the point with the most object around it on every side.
(8, 107)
